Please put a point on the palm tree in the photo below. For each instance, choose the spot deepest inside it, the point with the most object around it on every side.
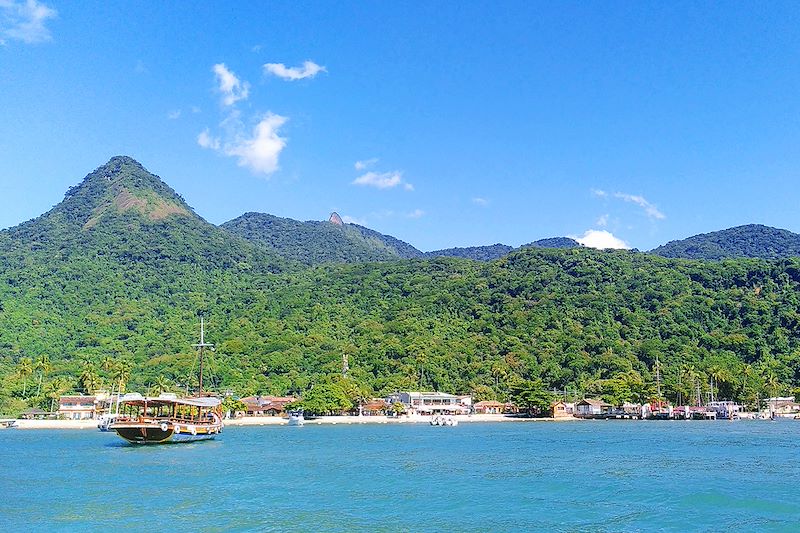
(162, 384)
(55, 389)
(88, 376)
(43, 366)
(25, 369)
(121, 373)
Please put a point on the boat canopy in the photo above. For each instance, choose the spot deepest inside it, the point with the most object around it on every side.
(137, 399)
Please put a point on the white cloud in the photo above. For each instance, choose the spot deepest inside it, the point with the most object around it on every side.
(602, 221)
(601, 239)
(361, 165)
(195, 109)
(480, 201)
(175, 114)
(650, 210)
(259, 152)
(347, 219)
(308, 70)
(383, 180)
(231, 87)
(207, 141)
(25, 21)
(416, 213)
(599, 193)
(140, 68)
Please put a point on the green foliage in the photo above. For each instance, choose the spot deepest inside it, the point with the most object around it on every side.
(315, 242)
(117, 303)
(753, 240)
(531, 396)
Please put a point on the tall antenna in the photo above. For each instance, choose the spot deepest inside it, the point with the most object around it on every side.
(203, 344)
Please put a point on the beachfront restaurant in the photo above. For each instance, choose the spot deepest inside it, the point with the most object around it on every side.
(432, 403)
(265, 405)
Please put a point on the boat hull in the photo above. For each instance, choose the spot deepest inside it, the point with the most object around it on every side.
(157, 434)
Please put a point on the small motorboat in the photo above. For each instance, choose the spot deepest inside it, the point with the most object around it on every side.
(296, 418)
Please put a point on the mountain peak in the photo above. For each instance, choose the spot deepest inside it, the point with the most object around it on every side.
(122, 185)
(336, 219)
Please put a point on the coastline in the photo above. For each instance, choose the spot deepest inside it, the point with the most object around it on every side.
(279, 421)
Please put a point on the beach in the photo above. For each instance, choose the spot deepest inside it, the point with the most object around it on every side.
(278, 421)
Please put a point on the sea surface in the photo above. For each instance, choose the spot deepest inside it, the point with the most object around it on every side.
(576, 476)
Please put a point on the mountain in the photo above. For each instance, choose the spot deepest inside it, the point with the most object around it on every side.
(477, 253)
(496, 251)
(315, 242)
(122, 212)
(108, 286)
(753, 240)
(553, 242)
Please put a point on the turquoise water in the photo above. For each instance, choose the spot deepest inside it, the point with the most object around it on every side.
(582, 476)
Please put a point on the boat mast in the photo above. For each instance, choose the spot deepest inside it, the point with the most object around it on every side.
(203, 344)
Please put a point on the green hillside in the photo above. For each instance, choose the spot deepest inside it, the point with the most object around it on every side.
(315, 242)
(753, 240)
(110, 285)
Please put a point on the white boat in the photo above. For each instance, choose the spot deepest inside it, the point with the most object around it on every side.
(296, 418)
(442, 420)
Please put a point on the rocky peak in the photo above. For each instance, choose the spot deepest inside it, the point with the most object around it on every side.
(336, 219)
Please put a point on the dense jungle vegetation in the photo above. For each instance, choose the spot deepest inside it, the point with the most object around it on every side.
(108, 288)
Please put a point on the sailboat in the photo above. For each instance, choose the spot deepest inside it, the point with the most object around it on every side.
(167, 418)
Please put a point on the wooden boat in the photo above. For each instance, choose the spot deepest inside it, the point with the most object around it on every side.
(167, 418)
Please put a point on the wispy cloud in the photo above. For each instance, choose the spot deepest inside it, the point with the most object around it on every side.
(362, 165)
(383, 180)
(416, 213)
(599, 193)
(259, 151)
(650, 210)
(602, 221)
(309, 69)
(347, 219)
(207, 141)
(25, 21)
(174, 114)
(231, 87)
(483, 202)
(601, 239)
(256, 147)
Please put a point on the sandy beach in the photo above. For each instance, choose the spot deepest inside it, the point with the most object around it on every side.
(277, 421)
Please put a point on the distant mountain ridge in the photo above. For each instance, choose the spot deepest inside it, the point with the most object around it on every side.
(752, 240)
(314, 242)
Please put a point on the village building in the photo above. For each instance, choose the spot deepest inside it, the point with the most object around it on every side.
(432, 403)
(375, 407)
(562, 410)
(592, 407)
(265, 405)
(490, 407)
(77, 407)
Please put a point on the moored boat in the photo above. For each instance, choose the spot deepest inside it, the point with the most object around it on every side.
(167, 418)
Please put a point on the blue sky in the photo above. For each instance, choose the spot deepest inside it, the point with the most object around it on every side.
(446, 124)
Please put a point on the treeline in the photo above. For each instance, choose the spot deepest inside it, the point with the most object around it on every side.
(592, 322)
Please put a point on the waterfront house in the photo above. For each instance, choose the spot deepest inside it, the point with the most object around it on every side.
(77, 407)
(430, 403)
(562, 409)
(591, 407)
(490, 407)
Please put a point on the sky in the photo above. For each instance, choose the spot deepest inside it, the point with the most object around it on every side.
(621, 124)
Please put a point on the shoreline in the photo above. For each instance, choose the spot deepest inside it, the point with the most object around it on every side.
(279, 421)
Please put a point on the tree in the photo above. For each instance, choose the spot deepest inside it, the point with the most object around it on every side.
(25, 369)
(532, 396)
(43, 366)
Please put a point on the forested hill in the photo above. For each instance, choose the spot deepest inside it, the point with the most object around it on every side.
(124, 214)
(315, 242)
(753, 240)
(109, 285)
(496, 251)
